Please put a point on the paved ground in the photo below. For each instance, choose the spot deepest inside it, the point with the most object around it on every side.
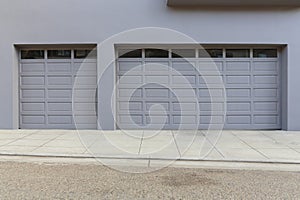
(41, 181)
(50, 174)
(258, 146)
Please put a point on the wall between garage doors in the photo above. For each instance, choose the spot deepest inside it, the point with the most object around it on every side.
(92, 21)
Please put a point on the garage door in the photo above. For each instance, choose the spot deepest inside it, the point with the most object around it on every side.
(47, 80)
(250, 94)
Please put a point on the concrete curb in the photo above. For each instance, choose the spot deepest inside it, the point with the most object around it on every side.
(151, 158)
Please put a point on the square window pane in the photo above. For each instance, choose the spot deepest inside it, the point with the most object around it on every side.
(32, 54)
(210, 53)
(183, 53)
(85, 53)
(130, 53)
(237, 53)
(265, 53)
(156, 53)
(59, 54)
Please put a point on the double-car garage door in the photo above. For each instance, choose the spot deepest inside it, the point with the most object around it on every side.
(50, 80)
(155, 79)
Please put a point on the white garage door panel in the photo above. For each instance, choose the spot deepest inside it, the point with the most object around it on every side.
(239, 119)
(265, 66)
(211, 119)
(60, 119)
(238, 106)
(32, 81)
(58, 68)
(59, 106)
(31, 93)
(59, 80)
(156, 66)
(252, 89)
(129, 65)
(184, 67)
(266, 119)
(85, 67)
(266, 106)
(46, 88)
(237, 66)
(205, 66)
(33, 67)
(33, 107)
(33, 119)
(84, 81)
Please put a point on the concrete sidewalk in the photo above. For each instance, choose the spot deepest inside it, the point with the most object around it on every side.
(239, 146)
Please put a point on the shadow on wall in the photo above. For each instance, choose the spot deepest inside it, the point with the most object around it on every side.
(233, 5)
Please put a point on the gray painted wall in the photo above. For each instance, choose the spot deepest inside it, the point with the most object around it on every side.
(92, 21)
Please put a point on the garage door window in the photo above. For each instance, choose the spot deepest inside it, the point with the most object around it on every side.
(59, 54)
(32, 54)
(183, 53)
(237, 53)
(265, 53)
(210, 53)
(84, 53)
(156, 53)
(125, 53)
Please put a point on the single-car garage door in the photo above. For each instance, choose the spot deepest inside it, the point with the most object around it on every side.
(250, 94)
(46, 82)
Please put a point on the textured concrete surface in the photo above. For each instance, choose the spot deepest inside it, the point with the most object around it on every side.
(258, 146)
(57, 181)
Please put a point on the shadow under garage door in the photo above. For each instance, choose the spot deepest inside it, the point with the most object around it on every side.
(50, 80)
(169, 88)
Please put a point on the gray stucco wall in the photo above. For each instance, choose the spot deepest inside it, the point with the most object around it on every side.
(92, 21)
